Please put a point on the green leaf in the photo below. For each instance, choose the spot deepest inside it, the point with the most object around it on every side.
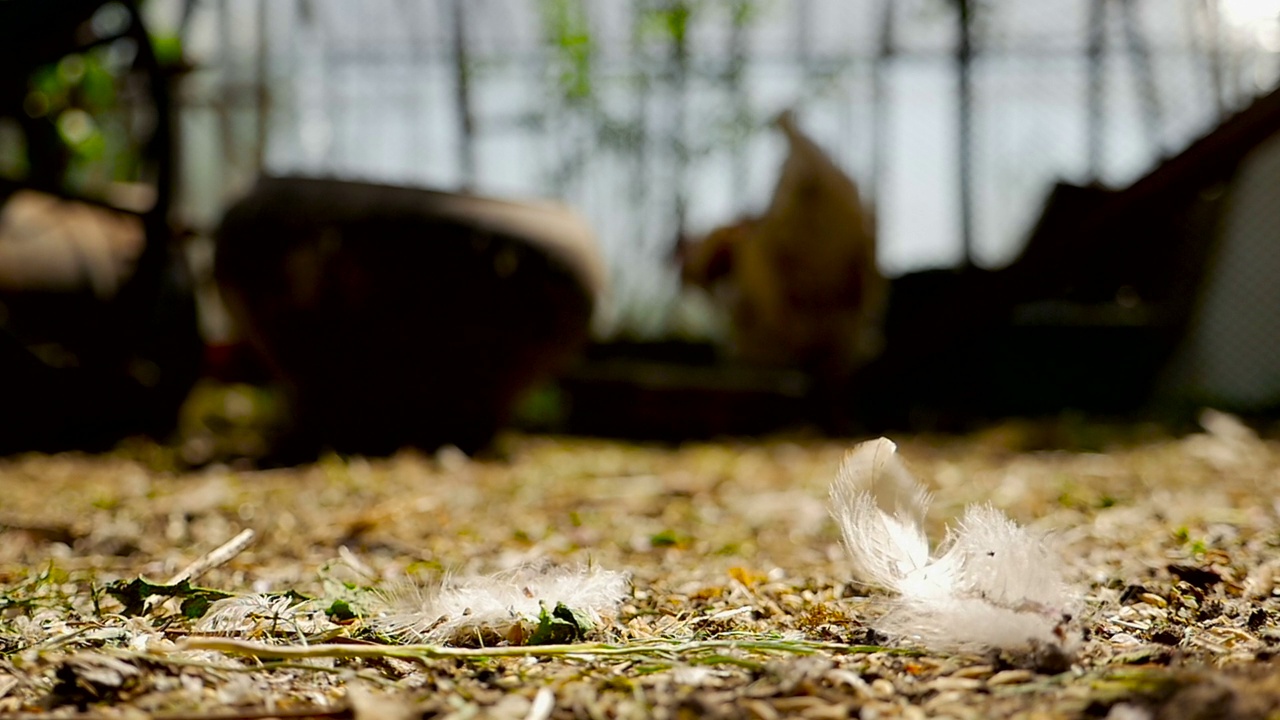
(561, 625)
(293, 595)
(195, 606)
(579, 618)
(665, 538)
(340, 610)
(133, 595)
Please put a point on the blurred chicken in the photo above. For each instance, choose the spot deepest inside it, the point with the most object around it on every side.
(800, 281)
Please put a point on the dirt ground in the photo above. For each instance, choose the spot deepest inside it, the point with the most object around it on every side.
(739, 603)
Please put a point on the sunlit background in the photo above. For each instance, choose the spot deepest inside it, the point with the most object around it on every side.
(652, 118)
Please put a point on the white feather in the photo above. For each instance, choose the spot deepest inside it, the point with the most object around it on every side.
(265, 617)
(484, 608)
(880, 509)
(992, 584)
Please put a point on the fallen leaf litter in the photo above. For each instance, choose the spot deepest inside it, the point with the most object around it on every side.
(742, 602)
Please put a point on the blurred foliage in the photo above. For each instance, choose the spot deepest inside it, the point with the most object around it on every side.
(543, 409)
(568, 33)
(89, 115)
(222, 422)
(671, 20)
(574, 53)
(13, 150)
(168, 49)
(78, 96)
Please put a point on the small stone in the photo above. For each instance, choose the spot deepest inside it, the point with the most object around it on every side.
(974, 671)
(1153, 599)
(952, 683)
(1011, 677)
(883, 689)
(760, 710)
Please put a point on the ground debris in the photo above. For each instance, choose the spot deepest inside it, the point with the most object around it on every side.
(740, 603)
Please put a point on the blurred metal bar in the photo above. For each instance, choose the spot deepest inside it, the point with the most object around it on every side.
(1140, 55)
(1096, 131)
(734, 71)
(678, 78)
(414, 104)
(462, 96)
(225, 99)
(638, 185)
(804, 24)
(881, 115)
(1210, 14)
(184, 22)
(262, 90)
(964, 62)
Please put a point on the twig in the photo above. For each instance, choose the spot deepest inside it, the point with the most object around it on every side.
(261, 666)
(722, 615)
(55, 641)
(213, 559)
(429, 652)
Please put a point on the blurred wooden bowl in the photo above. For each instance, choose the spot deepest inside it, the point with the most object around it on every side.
(398, 316)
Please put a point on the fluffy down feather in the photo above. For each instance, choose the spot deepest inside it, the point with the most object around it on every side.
(500, 607)
(990, 585)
